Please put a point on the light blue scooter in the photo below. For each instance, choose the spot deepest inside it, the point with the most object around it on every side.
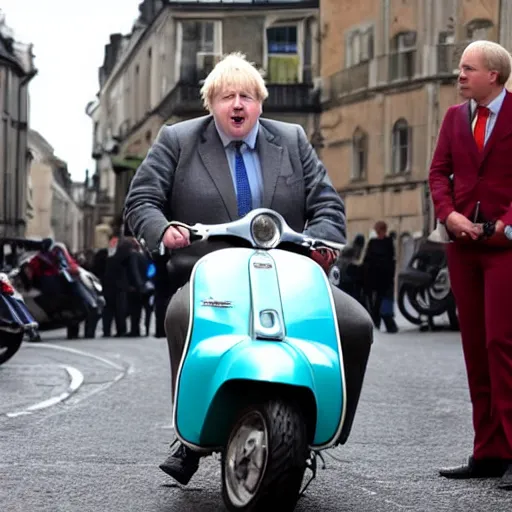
(261, 379)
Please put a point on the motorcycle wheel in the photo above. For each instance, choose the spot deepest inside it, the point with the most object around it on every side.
(264, 460)
(10, 342)
(422, 301)
(404, 294)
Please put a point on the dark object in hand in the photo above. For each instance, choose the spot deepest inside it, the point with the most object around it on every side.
(488, 229)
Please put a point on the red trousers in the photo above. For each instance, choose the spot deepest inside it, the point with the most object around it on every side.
(481, 280)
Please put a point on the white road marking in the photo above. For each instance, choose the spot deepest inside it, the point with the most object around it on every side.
(76, 379)
(80, 353)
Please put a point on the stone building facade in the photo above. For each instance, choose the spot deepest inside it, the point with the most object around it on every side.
(16, 71)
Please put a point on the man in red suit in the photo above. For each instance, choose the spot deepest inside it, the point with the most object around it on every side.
(471, 186)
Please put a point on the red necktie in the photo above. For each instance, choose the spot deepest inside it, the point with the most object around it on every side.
(481, 123)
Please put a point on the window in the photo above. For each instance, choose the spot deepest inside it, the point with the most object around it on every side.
(149, 82)
(283, 65)
(354, 48)
(366, 45)
(403, 56)
(359, 47)
(446, 52)
(446, 37)
(401, 147)
(359, 154)
(200, 49)
(479, 29)
(136, 94)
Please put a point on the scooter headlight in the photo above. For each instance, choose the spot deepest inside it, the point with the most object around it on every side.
(266, 231)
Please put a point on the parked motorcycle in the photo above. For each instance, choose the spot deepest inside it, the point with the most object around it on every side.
(424, 290)
(262, 377)
(79, 298)
(15, 320)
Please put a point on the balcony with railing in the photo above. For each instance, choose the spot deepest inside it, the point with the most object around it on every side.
(397, 67)
(185, 100)
(347, 81)
(384, 70)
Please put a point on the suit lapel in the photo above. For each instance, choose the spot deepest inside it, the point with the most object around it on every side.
(467, 137)
(502, 126)
(270, 155)
(214, 159)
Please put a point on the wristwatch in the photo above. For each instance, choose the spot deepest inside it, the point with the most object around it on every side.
(507, 231)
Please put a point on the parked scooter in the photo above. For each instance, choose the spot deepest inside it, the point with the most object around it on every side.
(15, 320)
(262, 377)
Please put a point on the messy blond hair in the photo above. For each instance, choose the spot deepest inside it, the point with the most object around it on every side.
(234, 70)
(496, 58)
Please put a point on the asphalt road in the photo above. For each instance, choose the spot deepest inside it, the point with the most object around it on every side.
(84, 425)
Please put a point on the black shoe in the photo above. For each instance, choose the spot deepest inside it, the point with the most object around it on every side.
(181, 464)
(390, 324)
(506, 480)
(481, 468)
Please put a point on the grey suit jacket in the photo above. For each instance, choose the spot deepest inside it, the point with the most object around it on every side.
(185, 177)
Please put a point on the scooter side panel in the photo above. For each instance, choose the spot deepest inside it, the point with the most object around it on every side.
(311, 328)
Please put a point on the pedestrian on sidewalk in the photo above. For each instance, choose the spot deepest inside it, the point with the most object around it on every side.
(379, 277)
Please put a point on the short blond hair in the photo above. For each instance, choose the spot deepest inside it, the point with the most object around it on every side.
(234, 70)
(496, 58)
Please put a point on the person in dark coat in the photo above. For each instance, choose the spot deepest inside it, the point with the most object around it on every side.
(99, 262)
(115, 286)
(379, 276)
(137, 270)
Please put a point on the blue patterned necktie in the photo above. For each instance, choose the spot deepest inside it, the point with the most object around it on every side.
(243, 190)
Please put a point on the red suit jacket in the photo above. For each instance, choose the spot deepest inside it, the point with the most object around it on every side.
(477, 176)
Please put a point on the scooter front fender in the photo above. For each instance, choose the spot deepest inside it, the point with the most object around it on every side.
(306, 367)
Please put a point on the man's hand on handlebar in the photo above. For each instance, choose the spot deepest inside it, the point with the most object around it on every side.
(176, 237)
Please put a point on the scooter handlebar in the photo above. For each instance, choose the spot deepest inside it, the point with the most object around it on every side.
(241, 228)
(195, 235)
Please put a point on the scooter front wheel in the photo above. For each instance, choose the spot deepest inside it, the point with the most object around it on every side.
(264, 460)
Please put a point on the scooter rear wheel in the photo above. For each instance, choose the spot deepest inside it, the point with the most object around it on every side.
(10, 342)
(264, 460)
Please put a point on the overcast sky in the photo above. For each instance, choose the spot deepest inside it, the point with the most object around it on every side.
(69, 38)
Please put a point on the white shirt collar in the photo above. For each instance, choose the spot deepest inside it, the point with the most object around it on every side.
(495, 105)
